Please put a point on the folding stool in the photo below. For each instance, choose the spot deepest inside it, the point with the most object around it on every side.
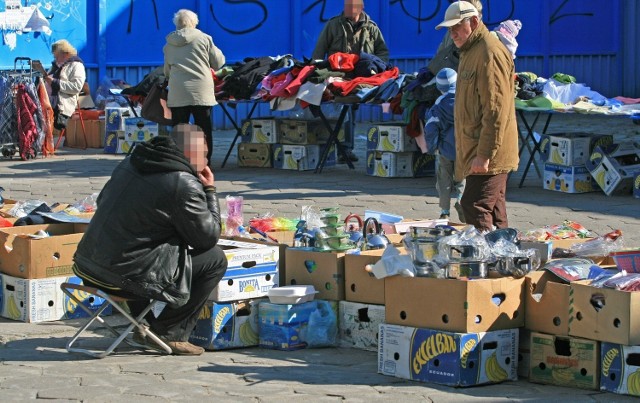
(109, 300)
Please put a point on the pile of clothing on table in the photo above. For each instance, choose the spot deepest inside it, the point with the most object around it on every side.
(561, 92)
(286, 81)
(345, 78)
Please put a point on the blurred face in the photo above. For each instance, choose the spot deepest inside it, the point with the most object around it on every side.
(461, 31)
(60, 57)
(195, 147)
(353, 8)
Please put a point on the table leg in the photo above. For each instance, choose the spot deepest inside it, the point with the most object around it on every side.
(524, 138)
(235, 125)
(536, 150)
(333, 139)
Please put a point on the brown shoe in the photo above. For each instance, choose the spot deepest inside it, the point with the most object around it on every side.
(184, 348)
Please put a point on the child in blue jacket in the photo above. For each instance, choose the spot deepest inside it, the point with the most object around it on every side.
(440, 138)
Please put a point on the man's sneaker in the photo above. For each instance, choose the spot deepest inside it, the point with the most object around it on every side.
(444, 214)
(458, 208)
(184, 348)
(350, 154)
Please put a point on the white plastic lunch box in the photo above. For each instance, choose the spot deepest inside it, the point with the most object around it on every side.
(292, 294)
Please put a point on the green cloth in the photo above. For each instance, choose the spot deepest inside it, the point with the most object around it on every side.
(564, 78)
(544, 102)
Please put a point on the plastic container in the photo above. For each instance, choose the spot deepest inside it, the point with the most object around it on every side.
(385, 218)
(292, 294)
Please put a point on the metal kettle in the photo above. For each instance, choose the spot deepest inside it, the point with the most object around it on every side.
(372, 235)
(355, 233)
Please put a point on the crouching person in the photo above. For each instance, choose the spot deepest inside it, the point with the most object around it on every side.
(154, 235)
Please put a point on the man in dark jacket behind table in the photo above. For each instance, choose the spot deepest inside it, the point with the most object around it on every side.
(485, 118)
(353, 31)
(154, 235)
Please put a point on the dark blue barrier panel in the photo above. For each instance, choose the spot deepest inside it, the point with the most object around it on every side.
(134, 32)
(125, 36)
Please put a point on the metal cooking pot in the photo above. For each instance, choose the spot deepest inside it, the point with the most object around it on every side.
(469, 269)
(431, 232)
(508, 234)
(463, 253)
(516, 266)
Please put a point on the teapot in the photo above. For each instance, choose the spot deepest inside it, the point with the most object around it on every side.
(372, 235)
(355, 234)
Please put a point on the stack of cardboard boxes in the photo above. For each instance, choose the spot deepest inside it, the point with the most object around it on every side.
(580, 335)
(565, 157)
(34, 261)
(454, 332)
(391, 153)
(230, 317)
(122, 132)
(616, 168)
(283, 144)
(464, 333)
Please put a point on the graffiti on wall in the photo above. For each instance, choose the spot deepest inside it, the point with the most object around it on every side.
(561, 12)
(257, 13)
(23, 21)
(155, 14)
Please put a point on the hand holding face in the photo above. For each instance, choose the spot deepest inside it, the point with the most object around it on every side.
(206, 177)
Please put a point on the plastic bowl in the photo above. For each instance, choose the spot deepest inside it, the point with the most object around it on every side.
(330, 219)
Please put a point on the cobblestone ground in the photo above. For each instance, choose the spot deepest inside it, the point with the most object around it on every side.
(34, 364)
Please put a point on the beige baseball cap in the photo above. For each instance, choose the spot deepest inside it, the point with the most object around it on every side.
(456, 12)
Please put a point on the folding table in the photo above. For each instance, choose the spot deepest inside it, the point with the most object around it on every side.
(531, 140)
(223, 106)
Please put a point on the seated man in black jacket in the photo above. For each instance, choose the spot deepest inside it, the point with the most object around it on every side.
(154, 235)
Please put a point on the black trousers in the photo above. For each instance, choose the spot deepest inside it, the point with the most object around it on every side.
(208, 267)
(201, 117)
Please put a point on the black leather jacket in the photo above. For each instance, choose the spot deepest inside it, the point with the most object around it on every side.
(148, 213)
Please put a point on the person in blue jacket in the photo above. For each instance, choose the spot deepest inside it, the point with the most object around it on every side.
(440, 139)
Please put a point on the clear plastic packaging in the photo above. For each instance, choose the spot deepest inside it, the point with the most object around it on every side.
(600, 246)
(86, 205)
(467, 245)
(24, 208)
(513, 261)
(626, 282)
(311, 216)
(235, 208)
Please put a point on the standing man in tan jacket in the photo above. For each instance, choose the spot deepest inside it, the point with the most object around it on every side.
(485, 119)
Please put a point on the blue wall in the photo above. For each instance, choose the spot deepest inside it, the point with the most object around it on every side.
(124, 38)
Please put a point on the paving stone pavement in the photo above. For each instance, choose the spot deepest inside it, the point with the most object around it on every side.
(36, 366)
